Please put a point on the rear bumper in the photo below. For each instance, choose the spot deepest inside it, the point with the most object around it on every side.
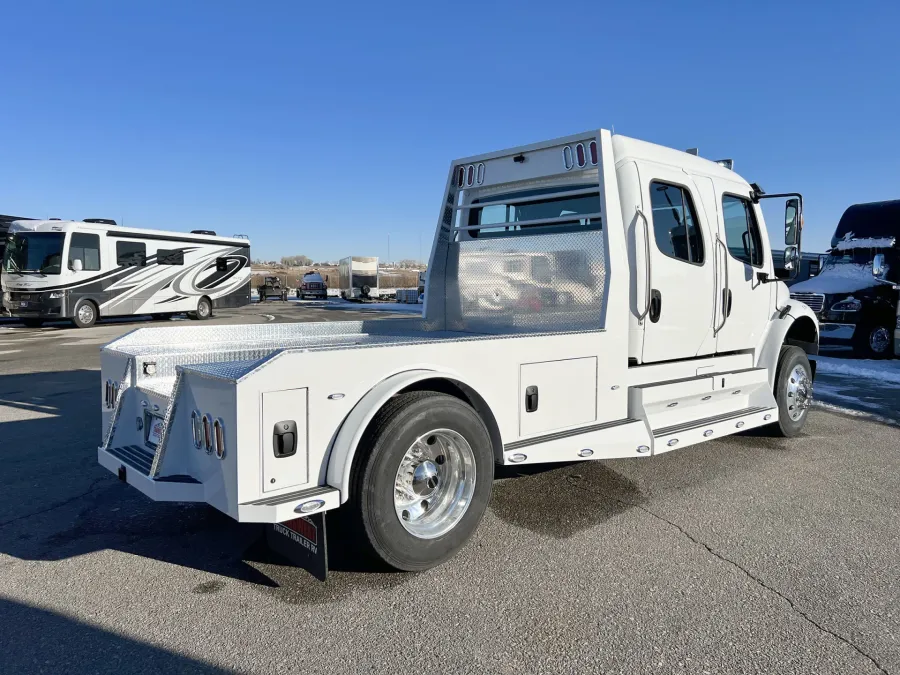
(132, 465)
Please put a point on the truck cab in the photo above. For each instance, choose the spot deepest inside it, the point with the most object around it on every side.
(855, 296)
(587, 297)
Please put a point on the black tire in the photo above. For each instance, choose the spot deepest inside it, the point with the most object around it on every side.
(33, 323)
(789, 358)
(85, 314)
(874, 340)
(204, 310)
(370, 511)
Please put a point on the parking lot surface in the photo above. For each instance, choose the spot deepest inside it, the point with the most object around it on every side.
(747, 554)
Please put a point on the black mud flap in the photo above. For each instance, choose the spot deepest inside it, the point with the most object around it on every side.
(303, 542)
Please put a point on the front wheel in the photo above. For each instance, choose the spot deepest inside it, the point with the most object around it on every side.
(421, 480)
(793, 391)
(204, 310)
(85, 314)
(873, 341)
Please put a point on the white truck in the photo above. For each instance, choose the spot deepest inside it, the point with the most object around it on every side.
(678, 333)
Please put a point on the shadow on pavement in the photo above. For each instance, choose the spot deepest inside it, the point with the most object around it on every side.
(35, 640)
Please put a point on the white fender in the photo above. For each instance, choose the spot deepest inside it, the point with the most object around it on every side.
(774, 338)
(343, 450)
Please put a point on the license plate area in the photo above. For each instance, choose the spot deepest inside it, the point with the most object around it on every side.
(153, 426)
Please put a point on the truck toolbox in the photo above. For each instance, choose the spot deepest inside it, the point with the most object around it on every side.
(575, 309)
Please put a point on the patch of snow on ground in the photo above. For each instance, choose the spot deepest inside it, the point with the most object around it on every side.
(882, 371)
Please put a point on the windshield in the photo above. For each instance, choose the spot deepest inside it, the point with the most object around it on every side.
(865, 256)
(34, 252)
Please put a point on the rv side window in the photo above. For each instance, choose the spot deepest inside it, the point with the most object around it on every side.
(675, 223)
(741, 230)
(86, 248)
(170, 257)
(131, 254)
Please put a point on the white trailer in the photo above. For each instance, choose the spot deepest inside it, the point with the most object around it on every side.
(84, 270)
(617, 302)
(358, 277)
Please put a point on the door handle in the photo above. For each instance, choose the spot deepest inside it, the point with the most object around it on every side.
(531, 398)
(726, 301)
(655, 305)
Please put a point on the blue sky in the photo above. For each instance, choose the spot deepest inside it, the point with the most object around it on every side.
(322, 128)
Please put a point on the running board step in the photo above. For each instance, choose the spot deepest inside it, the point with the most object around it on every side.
(694, 424)
(726, 424)
(284, 507)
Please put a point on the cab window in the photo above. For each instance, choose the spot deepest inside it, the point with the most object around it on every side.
(741, 230)
(86, 248)
(675, 223)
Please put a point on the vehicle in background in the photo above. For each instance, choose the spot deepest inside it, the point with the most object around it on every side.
(5, 222)
(677, 332)
(272, 287)
(84, 270)
(313, 286)
(810, 266)
(855, 296)
(358, 277)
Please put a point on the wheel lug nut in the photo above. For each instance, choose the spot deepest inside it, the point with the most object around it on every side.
(405, 515)
(440, 459)
(424, 505)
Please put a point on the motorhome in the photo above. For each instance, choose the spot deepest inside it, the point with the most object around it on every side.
(85, 270)
(680, 333)
(855, 295)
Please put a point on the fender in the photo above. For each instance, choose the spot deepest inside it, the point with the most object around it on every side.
(343, 450)
(779, 326)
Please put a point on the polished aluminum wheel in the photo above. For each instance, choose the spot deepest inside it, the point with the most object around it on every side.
(880, 339)
(435, 483)
(86, 313)
(799, 392)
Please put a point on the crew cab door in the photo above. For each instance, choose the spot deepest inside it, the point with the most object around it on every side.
(679, 319)
(744, 304)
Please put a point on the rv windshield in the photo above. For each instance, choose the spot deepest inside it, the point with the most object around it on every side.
(34, 252)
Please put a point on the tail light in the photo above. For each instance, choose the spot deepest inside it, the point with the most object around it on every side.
(579, 154)
(207, 434)
(196, 429)
(219, 438)
(461, 176)
(593, 149)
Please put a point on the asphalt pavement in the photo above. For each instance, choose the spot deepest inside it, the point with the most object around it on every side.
(747, 554)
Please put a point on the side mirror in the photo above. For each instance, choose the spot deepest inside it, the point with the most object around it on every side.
(77, 265)
(878, 268)
(792, 260)
(793, 222)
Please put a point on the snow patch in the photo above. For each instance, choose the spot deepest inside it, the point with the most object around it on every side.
(881, 371)
(843, 278)
(870, 242)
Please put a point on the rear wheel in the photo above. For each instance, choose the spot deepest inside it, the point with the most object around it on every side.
(873, 340)
(793, 391)
(204, 310)
(85, 314)
(421, 480)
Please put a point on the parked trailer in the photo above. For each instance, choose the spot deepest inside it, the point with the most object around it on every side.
(84, 270)
(619, 300)
(358, 277)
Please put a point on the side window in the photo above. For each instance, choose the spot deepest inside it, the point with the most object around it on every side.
(131, 254)
(741, 230)
(170, 257)
(86, 248)
(675, 223)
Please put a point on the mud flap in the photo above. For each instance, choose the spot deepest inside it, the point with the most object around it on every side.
(303, 542)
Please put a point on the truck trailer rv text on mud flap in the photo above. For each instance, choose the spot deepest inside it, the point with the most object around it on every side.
(590, 297)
